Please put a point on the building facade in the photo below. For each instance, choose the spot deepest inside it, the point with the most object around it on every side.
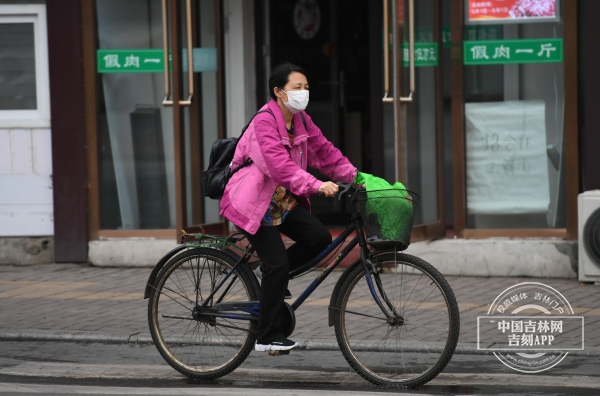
(490, 122)
(26, 204)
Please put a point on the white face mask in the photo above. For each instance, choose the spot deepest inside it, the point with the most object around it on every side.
(297, 100)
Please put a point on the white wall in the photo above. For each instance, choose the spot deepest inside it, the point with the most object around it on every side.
(25, 143)
(26, 182)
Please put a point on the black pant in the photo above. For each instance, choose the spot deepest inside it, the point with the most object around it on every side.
(311, 238)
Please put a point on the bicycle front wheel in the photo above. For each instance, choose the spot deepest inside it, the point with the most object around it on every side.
(416, 341)
(192, 341)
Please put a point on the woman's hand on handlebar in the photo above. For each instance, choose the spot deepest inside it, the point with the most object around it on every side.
(328, 189)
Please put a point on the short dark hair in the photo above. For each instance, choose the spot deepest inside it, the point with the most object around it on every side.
(280, 76)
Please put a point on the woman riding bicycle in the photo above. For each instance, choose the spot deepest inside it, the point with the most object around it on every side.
(271, 195)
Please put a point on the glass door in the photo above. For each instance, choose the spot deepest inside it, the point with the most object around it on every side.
(308, 34)
(135, 133)
(193, 89)
(330, 40)
(159, 111)
(413, 107)
(511, 120)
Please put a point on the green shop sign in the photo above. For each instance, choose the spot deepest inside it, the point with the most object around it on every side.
(130, 61)
(151, 60)
(472, 33)
(426, 54)
(499, 52)
(424, 34)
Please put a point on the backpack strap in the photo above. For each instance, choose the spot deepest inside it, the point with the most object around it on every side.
(249, 122)
(270, 112)
(303, 120)
(249, 160)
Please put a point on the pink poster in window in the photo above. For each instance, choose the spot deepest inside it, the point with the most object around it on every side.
(520, 11)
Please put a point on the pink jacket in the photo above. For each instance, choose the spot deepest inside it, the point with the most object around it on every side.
(276, 162)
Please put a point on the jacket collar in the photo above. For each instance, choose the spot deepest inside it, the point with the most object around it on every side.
(298, 124)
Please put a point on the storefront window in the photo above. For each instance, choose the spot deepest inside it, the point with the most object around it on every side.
(206, 106)
(514, 100)
(135, 132)
(420, 147)
(25, 96)
(410, 151)
(17, 66)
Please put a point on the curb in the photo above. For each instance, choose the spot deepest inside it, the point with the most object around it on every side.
(145, 338)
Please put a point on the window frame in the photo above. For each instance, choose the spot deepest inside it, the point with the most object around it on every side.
(40, 117)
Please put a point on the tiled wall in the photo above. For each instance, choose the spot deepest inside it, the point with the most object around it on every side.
(26, 182)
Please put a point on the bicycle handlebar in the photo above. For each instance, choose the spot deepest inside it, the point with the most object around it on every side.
(344, 189)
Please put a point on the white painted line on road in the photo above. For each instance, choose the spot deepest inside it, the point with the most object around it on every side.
(195, 390)
(315, 344)
(560, 381)
(165, 372)
(140, 372)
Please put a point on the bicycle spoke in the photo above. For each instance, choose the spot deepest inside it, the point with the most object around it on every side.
(180, 295)
(358, 313)
(420, 303)
(164, 294)
(177, 317)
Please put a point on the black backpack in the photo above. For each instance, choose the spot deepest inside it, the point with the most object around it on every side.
(219, 171)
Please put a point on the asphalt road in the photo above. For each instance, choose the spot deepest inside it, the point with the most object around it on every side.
(65, 368)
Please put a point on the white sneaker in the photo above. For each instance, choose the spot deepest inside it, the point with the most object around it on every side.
(282, 344)
(258, 273)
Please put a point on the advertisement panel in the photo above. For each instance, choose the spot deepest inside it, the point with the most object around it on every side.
(511, 11)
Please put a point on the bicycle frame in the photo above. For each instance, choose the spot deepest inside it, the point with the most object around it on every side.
(252, 307)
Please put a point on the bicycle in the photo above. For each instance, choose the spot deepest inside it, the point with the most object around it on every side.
(396, 318)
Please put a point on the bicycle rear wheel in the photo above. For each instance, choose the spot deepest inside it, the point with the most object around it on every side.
(417, 342)
(198, 345)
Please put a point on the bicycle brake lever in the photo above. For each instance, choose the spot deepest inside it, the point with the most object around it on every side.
(345, 188)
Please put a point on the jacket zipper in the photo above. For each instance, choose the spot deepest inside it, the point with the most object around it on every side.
(300, 158)
(239, 185)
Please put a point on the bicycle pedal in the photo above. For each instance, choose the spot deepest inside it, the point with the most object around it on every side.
(279, 353)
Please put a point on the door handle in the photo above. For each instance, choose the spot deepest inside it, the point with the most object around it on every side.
(190, 57)
(166, 101)
(190, 54)
(411, 52)
(386, 52)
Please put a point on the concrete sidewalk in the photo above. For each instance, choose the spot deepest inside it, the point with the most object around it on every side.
(84, 303)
